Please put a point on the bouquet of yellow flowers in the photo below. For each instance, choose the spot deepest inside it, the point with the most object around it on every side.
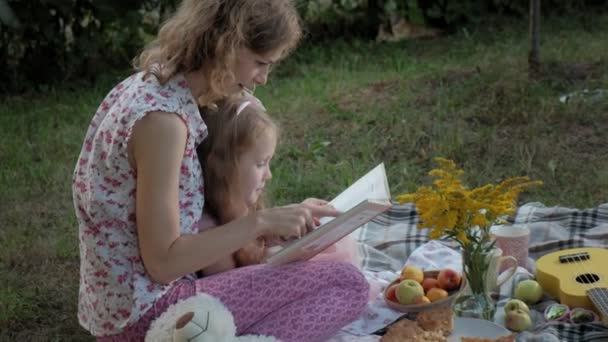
(451, 209)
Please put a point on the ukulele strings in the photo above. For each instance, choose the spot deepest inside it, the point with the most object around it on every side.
(586, 276)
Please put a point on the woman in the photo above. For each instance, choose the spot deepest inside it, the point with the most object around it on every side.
(138, 189)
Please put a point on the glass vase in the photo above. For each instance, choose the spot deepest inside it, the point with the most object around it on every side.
(474, 300)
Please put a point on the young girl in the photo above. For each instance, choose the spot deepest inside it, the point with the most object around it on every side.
(236, 166)
(138, 189)
(236, 159)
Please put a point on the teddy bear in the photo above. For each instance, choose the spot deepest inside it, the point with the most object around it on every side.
(201, 318)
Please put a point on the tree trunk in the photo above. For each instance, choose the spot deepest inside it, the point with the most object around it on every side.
(375, 16)
(534, 55)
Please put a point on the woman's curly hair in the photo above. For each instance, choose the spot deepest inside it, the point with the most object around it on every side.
(211, 31)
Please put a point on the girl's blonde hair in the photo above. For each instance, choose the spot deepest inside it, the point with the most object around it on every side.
(229, 136)
(211, 31)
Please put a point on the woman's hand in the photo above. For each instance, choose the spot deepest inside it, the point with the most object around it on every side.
(293, 221)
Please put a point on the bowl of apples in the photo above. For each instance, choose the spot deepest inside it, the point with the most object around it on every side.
(416, 290)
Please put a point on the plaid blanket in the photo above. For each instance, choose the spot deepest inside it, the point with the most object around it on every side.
(387, 241)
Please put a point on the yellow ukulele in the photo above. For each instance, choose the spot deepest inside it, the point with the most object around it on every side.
(578, 277)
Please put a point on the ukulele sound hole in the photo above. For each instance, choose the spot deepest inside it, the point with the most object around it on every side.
(587, 278)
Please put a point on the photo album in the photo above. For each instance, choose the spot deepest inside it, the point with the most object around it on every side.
(368, 197)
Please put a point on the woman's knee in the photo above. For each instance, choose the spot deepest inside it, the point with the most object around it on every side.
(347, 276)
(353, 282)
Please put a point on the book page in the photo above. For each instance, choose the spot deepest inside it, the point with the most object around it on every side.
(374, 186)
(359, 203)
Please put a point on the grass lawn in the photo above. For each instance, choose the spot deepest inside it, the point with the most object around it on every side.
(343, 108)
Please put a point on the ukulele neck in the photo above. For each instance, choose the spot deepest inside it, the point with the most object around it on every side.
(599, 297)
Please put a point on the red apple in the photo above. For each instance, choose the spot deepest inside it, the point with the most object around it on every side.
(390, 293)
(448, 279)
(429, 283)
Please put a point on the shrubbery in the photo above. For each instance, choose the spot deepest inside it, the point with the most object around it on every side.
(61, 40)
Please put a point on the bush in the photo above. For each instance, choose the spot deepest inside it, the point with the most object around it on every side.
(59, 40)
(66, 40)
(446, 13)
(328, 19)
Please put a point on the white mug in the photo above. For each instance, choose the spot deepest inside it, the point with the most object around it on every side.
(494, 270)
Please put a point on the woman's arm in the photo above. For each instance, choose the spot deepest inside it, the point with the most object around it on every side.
(226, 263)
(157, 147)
(156, 150)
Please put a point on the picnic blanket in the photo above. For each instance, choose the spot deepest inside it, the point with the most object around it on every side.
(388, 240)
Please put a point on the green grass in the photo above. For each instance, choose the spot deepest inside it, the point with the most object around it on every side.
(343, 108)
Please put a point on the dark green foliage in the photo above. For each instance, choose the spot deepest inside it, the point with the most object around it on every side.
(449, 14)
(59, 40)
(347, 18)
(77, 40)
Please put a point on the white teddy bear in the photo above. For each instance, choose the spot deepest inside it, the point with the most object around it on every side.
(201, 318)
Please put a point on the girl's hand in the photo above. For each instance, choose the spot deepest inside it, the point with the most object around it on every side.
(322, 208)
(292, 221)
(251, 254)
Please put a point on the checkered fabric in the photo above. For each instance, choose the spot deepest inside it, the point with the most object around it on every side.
(387, 241)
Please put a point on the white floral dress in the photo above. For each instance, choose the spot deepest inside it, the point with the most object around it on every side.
(115, 289)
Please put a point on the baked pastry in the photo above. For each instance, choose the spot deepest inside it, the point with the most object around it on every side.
(408, 330)
(509, 338)
(429, 326)
(403, 330)
(441, 319)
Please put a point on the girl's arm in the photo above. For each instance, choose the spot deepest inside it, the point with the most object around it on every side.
(156, 149)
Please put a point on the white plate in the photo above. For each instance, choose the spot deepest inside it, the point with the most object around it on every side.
(473, 327)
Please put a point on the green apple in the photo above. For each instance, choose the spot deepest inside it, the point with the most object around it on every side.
(518, 320)
(529, 291)
(409, 292)
(516, 304)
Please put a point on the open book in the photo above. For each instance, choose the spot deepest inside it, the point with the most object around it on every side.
(361, 202)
